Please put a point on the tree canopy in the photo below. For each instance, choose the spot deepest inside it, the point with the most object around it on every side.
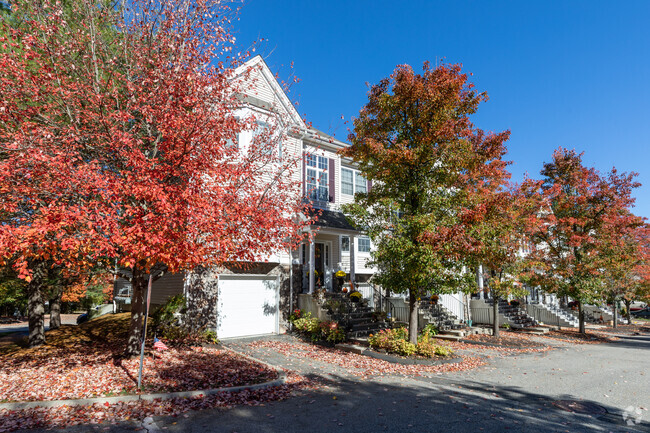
(429, 168)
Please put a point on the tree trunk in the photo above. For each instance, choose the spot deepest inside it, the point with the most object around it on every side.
(139, 292)
(495, 314)
(35, 306)
(413, 318)
(581, 318)
(55, 311)
(628, 304)
(615, 325)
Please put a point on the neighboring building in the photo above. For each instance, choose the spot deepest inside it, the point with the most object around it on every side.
(256, 298)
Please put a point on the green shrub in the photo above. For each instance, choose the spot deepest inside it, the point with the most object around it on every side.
(429, 330)
(393, 341)
(210, 336)
(396, 341)
(165, 315)
(306, 324)
(330, 332)
(427, 348)
(317, 330)
(297, 314)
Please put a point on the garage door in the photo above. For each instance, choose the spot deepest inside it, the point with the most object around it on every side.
(247, 305)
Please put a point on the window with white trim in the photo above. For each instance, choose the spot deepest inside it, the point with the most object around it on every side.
(317, 189)
(234, 142)
(360, 184)
(261, 133)
(363, 244)
(347, 186)
(352, 182)
(345, 244)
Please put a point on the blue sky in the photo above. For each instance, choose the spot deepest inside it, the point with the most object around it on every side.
(559, 73)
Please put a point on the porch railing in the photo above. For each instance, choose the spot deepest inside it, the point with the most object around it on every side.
(484, 316)
(454, 304)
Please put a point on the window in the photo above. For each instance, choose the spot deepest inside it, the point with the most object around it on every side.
(260, 135)
(363, 245)
(230, 143)
(360, 184)
(317, 177)
(352, 182)
(234, 142)
(345, 244)
(347, 187)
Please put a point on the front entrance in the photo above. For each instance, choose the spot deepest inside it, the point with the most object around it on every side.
(322, 265)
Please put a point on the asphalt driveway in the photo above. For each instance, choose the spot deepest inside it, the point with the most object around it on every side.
(584, 388)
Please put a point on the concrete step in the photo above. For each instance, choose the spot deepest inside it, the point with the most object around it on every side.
(456, 332)
(535, 330)
(352, 348)
(446, 337)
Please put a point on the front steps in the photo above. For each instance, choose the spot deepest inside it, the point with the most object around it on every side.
(356, 317)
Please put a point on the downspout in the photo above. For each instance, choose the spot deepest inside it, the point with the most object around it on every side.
(290, 286)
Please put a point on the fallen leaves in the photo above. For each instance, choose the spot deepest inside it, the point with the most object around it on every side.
(100, 413)
(360, 365)
(88, 373)
(573, 336)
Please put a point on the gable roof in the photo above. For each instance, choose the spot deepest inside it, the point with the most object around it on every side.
(257, 63)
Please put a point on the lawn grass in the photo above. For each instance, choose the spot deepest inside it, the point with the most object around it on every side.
(109, 332)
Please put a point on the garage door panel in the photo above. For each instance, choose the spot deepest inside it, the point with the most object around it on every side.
(247, 306)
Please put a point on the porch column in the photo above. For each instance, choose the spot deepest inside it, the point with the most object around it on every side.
(479, 278)
(312, 263)
(353, 258)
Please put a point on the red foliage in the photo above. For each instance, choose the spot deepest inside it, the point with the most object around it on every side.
(117, 128)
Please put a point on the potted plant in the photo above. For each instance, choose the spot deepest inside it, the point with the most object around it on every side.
(355, 296)
(340, 277)
(434, 299)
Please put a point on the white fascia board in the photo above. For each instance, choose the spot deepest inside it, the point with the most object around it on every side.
(258, 62)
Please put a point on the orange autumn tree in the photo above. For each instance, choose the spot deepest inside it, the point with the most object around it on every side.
(429, 166)
(570, 226)
(625, 254)
(117, 137)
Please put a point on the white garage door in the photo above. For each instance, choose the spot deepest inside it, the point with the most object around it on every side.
(247, 305)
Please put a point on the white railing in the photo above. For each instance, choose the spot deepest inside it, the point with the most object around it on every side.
(454, 304)
(367, 292)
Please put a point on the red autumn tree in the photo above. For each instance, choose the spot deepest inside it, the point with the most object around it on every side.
(625, 255)
(429, 166)
(117, 136)
(576, 207)
(498, 233)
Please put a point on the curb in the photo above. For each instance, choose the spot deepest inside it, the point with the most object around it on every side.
(281, 380)
(500, 346)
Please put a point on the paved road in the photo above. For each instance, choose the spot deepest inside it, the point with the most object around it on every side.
(23, 327)
(513, 393)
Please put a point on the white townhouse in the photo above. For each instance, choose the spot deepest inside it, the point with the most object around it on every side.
(256, 299)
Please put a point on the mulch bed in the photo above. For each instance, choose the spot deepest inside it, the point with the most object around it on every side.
(103, 414)
(85, 361)
(60, 375)
(514, 341)
(573, 336)
(627, 329)
(361, 365)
